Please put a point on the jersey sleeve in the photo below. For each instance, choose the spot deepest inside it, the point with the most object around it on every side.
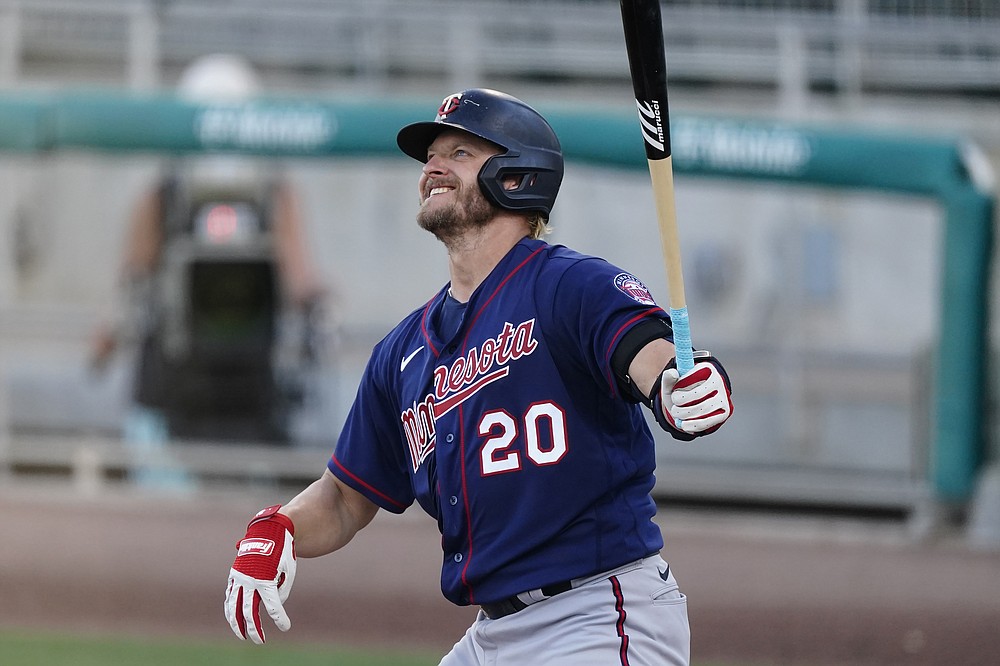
(594, 304)
(369, 456)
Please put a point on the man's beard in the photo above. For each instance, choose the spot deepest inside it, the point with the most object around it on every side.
(470, 210)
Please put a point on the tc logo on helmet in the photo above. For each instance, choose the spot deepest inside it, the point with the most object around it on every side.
(449, 104)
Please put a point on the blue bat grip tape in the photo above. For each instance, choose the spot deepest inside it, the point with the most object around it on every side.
(682, 340)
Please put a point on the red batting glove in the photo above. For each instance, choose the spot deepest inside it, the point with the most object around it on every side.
(697, 403)
(262, 572)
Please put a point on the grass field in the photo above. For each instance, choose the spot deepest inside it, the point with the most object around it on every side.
(17, 649)
(37, 649)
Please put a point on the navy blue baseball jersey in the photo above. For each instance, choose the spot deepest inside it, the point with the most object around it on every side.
(510, 430)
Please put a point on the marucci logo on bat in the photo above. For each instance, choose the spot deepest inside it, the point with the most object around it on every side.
(652, 122)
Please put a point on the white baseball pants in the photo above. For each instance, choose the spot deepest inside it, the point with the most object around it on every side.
(634, 615)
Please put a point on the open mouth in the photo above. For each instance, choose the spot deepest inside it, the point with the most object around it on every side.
(439, 190)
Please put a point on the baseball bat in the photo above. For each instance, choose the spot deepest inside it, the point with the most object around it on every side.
(643, 27)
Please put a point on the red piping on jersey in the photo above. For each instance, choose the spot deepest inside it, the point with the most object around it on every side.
(497, 291)
(367, 486)
(616, 587)
(423, 327)
(461, 430)
(614, 343)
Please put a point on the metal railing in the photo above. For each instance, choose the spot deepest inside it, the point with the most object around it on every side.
(845, 44)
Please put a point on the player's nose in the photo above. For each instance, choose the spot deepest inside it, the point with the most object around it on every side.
(434, 166)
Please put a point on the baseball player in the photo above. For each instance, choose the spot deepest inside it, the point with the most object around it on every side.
(509, 406)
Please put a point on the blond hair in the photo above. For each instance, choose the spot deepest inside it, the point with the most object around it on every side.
(538, 226)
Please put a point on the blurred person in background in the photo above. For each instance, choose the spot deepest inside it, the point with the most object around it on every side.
(215, 251)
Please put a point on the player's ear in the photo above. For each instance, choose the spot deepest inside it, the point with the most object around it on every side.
(513, 182)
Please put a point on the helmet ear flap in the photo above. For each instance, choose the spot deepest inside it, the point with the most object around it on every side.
(536, 184)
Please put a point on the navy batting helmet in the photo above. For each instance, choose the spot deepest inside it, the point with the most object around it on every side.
(532, 150)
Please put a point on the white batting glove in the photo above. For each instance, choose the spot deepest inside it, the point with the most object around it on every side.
(263, 572)
(697, 403)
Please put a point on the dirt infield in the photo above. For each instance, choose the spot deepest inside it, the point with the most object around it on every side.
(761, 590)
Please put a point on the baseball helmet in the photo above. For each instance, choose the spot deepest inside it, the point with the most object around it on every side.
(532, 150)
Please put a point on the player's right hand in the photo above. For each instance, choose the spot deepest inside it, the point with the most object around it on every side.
(263, 572)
